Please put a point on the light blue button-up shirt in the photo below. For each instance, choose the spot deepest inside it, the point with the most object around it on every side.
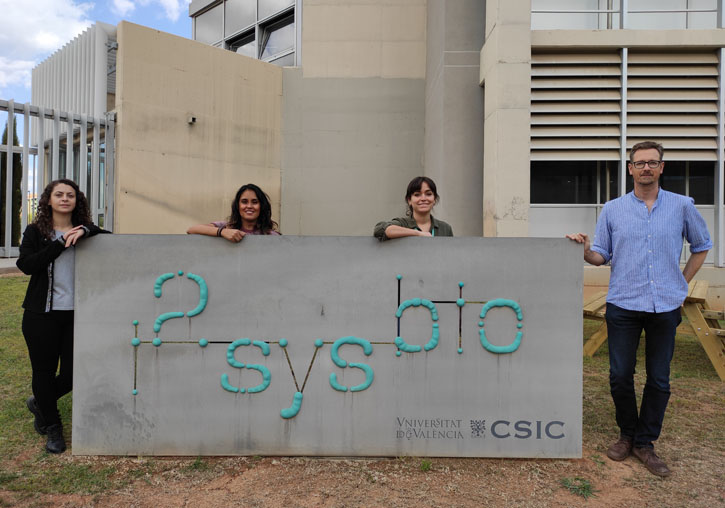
(644, 249)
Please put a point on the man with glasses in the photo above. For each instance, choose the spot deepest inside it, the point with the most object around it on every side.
(641, 235)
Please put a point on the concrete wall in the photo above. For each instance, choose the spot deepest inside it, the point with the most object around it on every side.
(524, 401)
(506, 75)
(454, 111)
(364, 38)
(171, 174)
(350, 148)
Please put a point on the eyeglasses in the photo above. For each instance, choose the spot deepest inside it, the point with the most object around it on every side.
(650, 164)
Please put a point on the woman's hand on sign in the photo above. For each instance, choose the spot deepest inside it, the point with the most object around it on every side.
(72, 236)
(233, 235)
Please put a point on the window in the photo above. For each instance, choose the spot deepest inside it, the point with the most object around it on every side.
(238, 14)
(278, 37)
(263, 29)
(245, 45)
(269, 7)
(208, 25)
(573, 182)
(689, 178)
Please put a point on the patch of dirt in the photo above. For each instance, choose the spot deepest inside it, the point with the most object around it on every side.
(324, 482)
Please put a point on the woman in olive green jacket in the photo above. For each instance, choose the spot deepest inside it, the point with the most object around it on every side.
(421, 197)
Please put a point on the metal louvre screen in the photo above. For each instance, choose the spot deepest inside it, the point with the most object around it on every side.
(575, 106)
(672, 97)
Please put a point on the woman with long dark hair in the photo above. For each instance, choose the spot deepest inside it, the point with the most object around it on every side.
(421, 196)
(47, 254)
(251, 214)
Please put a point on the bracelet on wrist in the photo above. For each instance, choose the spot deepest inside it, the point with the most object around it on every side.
(219, 231)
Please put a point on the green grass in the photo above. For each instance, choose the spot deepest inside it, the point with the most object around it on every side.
(426, 465)
(578, 486)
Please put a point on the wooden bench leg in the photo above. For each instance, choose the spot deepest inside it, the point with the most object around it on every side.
(596, 340)
(713, 344)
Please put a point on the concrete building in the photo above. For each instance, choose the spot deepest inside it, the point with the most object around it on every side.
(522, 111)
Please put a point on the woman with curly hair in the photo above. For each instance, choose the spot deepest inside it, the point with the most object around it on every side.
(251, 215)
(47, 254)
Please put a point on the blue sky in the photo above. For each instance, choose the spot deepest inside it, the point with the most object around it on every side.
(33, 29)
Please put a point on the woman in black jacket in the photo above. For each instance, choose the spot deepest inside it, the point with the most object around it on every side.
(47, 254)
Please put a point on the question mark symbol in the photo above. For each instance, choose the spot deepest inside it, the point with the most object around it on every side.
(203, 298)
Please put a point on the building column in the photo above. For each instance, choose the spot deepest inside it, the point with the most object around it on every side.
(454, 110)
(506, 77)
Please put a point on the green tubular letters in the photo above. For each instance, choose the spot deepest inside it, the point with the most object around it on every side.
(501, 302)
(227, 386)
(203, 294)
(164, 317)
(291, 412)
(367, 349)
(435, 334)
(266, 378)
(230, 352)
(263, 346)
(160, 282)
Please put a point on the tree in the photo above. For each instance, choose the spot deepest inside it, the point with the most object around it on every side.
(16, 202)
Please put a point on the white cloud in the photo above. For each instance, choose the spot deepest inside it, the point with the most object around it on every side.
(31, 29)
(172, 8)
(122, 7)
(15, 72)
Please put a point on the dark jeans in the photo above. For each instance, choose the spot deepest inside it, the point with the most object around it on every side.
(624, 328)
(49, 337)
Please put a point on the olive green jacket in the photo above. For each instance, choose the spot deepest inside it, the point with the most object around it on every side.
(438, 228)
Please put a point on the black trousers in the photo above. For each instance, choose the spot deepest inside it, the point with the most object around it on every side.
(49, 337)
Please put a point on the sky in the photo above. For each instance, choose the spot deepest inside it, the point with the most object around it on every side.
(33, 29)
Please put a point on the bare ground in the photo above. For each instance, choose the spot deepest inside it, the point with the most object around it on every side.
(321, 482)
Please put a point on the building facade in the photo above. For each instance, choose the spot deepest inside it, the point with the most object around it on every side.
(523, 111)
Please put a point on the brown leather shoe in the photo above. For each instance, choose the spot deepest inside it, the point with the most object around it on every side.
(621, 449)
(651, 461)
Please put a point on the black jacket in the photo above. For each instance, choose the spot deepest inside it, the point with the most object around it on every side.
(37, 257)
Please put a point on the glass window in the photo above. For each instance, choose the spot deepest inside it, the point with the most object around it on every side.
(269, 7)
(573, 182)
(244, 45)
(238, 14)
(608, 180)
(567, 21)
(702, 182)
(278, 37)
(673, 177)
(657, 20)
(209, 25)
(285, 61)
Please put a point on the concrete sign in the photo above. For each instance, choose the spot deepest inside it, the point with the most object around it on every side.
(461, 347)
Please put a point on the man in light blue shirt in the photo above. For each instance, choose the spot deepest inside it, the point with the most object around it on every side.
(640, 235)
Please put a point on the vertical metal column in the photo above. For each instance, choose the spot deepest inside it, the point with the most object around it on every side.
(719, 258)
(623, 124)
(9, 180)
(69, 173)
(55, 165)
(110, 170)
(95, 173)
(83, 156)
(26, 167)
(623, 11)
(40, 145)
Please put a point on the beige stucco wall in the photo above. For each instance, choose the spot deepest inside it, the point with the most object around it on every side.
(170, 174)
(363, 38)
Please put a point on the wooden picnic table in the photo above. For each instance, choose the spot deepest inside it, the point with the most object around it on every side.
(703, 323)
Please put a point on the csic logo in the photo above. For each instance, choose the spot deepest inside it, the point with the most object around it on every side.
(522, 429)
